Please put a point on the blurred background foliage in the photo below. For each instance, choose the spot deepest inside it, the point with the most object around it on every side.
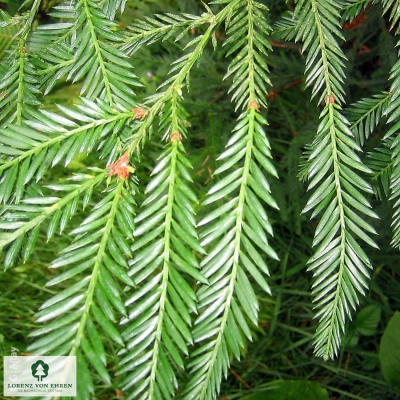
(282, 348)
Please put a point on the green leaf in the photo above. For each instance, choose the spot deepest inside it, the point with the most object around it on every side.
(389, 351)
(367, 320)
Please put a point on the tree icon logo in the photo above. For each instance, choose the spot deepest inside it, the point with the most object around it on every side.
(40, 370)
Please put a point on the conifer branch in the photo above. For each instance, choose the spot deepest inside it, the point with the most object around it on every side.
(18, 85)
(238, 227)
(340, 266)
(47, 138)
(393, 113)
(158, 307)
(81, 309)
(85, 49)
(231, 257)
(100, 59)
(352, 8)
(177, 83)
(162, 27)
(365, 115)
(285, 28)
(395, 191)
(34, 206)
(380, 161)
(394, 16)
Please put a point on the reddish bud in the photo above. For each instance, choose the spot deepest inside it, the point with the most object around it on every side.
(176, 136)
(120, 167)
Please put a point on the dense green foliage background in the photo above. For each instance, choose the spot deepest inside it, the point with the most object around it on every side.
(282, 346)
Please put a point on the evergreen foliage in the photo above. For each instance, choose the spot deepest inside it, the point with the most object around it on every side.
(161, 269)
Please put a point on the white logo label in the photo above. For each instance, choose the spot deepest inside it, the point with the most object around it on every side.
(39, 376)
